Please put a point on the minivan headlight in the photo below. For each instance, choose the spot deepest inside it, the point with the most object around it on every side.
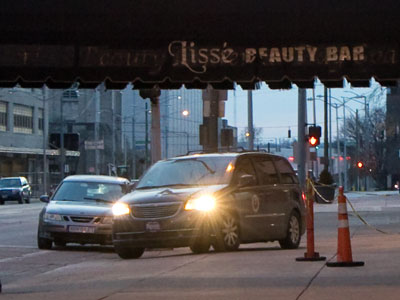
(120, 209)
(202, 203)
(52, 217)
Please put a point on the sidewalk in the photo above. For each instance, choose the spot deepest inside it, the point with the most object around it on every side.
(364, 201)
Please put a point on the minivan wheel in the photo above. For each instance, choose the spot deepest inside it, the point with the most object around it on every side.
(44, 244)
(129, 252)
(201, 244)
(227, 236)
(293, 234)
(60, 243)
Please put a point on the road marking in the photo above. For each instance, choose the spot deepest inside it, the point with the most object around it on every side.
(24, 256)
(18, 246)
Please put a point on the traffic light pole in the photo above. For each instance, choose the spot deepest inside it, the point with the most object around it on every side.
(326, 143)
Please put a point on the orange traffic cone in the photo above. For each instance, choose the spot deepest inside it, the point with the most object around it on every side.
(344, 255)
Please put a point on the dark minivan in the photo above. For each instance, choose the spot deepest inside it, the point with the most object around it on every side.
(203, 200)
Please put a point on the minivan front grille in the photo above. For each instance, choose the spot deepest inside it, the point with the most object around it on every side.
(155, 210)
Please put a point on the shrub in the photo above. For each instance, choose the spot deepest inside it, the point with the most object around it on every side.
(325, 177)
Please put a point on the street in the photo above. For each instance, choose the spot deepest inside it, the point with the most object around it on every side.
(256, 271)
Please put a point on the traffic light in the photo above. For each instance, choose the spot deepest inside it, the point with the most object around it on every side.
(226, 137)
(314, 134)
(360, 164)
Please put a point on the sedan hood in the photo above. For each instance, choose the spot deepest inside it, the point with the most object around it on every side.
(87, 208)
(168, 194)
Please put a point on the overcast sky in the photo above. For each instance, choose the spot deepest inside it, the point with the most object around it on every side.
(276, 110)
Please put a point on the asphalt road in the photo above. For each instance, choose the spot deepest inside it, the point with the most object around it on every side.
(256, 271)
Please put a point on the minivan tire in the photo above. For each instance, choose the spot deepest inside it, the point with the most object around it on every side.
(227, 235)
(129, 252)
(293, 233)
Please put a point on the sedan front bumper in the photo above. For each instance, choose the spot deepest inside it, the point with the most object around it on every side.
(73, 233)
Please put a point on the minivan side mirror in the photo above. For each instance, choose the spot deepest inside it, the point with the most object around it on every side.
(45, 198)
(247, 180)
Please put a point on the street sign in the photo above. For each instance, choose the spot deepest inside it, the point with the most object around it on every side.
(93, 145)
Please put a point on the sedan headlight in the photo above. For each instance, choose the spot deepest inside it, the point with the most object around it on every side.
(120, 209)
(52, 217)
(202, 203)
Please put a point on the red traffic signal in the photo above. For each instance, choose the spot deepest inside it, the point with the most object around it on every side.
(314, 133)
(360, 164)
(313, 141)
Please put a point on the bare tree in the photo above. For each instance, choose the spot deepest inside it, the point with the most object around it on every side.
(365, 136)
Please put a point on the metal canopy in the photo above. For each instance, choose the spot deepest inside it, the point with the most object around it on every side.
(171, 43)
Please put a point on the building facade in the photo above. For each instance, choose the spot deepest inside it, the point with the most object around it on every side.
(393, 135)
(22, 121)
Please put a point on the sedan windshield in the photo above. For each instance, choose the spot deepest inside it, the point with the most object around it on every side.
(4, 183)
(89, 191)
(187, 172)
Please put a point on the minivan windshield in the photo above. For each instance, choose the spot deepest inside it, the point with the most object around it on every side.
(188, 172)
(88, 191)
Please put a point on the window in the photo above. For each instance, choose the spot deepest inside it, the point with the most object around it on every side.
(287, 173)
(3, 116)
(244, 167)
(23, 119)
(266, 170)
(41, 121)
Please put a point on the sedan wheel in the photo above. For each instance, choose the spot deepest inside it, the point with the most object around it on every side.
(227, 237)
(293, 236)
(44, 243)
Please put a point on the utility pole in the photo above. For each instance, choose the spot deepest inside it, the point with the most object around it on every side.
(45, 133)
(301, 132)
(146, 139)
(155, 130)
(344, 146)
(250, 118)
(315, 124)
(96, 129)
(134, 144)
(62, 150)
(357, 151)
(326, 143)
(338, 146)
(113, 128)
(330, 130)
(154, 96)
(212, 99)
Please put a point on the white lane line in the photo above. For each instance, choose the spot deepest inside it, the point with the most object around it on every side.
(24, 256)
(18, 246)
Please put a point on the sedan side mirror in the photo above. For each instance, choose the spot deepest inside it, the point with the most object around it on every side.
(247, 180)
(45, 198)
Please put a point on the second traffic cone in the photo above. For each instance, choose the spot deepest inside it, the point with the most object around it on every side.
(344, 255)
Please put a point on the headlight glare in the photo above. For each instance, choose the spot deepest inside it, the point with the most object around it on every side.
(202, 203)
(120, 209)
(107, 220)
(52, 217)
